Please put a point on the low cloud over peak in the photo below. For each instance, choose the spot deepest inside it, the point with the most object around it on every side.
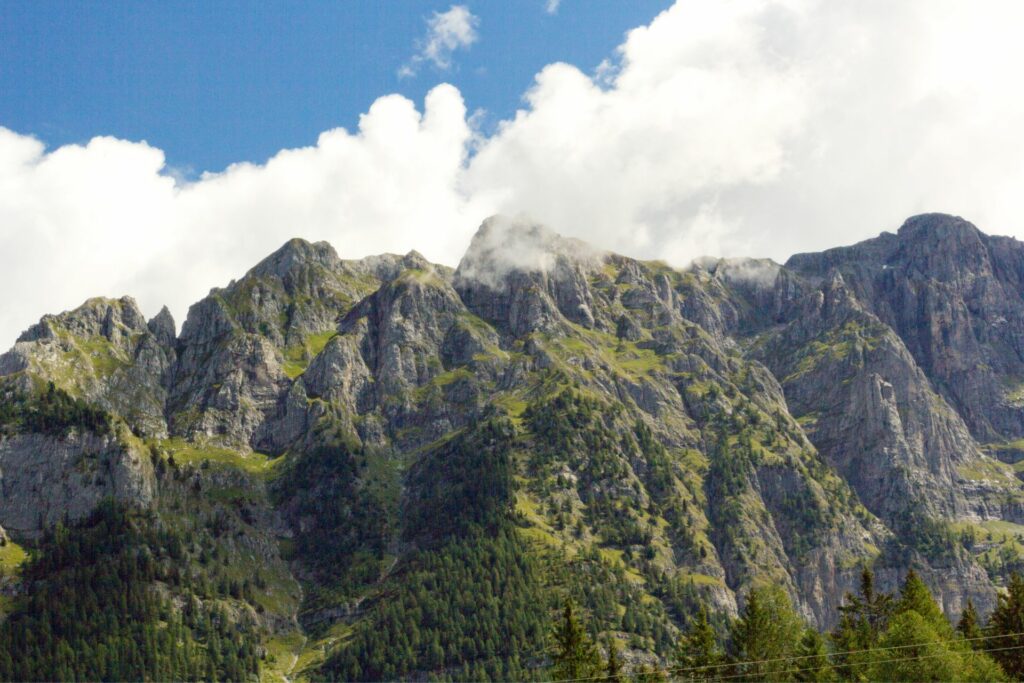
(748, 127)
(504, 244)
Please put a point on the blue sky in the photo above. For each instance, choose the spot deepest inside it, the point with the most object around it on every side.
(724, 127)
(212, 83)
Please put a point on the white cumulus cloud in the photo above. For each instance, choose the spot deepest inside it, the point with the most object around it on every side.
(725, 127)
(766, 127)
(101, 219)
(446, 32)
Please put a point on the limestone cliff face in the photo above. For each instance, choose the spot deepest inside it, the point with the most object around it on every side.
(105, 352)
(868, 407)
(46, 479)
(241, 346)
(396, 371)
(701, 429)
(525, 278)
(954, 295)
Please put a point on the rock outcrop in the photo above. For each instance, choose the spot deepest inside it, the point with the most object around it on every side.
(955, 297)
(46, 479)
(241, 346)
(691, 431)
(104, 352)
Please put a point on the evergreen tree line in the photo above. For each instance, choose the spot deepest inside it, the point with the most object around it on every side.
(474, 609)
(106, 600)
(346, 527)
(53, 412)
(471, 604)
(879, 637)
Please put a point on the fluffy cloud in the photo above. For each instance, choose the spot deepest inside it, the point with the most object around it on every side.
(731, 127)
(694, 106)
(767, 127)
(551, 6)
(446, 32)
(101, 219)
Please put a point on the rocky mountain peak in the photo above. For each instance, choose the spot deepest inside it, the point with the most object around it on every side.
(503, 245)
(297, 252)
(929, 246)
(939, 225)
(99, 316)
(163, 327)
(525, 277)
(953, 295)
(943, 247)
(104, 352)
(387, 267)
(414, 260)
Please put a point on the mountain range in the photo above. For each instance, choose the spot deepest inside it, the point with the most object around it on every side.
(386, 468)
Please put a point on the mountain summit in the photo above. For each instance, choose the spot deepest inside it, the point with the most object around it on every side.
(412, 463)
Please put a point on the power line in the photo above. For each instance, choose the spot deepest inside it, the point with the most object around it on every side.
(881, 661)
(793, 658)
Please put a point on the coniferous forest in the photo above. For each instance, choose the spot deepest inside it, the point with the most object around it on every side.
(616, 470)
(111, 598)
(554, 341)
(114, 598)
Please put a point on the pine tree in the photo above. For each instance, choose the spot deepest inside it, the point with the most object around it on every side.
(813, 661)
(874, 607)
(915, 597)
(613, 668)
(915, 651)
(1007, 619)
(575, 655)
(920, 645)
(698, 653)
(862, 618)
(969, 626)
(768, 629)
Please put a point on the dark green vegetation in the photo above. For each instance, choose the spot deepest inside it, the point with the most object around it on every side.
(347, 530)
(474, 609)
(115, 597)
(51, 412)
(881, 637)
(472, 602)
(591, 468)
(109, 600)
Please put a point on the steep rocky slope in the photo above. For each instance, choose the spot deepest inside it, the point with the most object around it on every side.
(640, 437)
(104, 352)
(954, 295)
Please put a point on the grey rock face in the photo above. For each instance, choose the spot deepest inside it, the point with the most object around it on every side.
(954, 295)
(952, 580)
(231, 381)
(163, 328)
(45, 479)
(406, 321)
(525, 278)
(103, 352)
(784, 400)
(868, 407)
(232, 394)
